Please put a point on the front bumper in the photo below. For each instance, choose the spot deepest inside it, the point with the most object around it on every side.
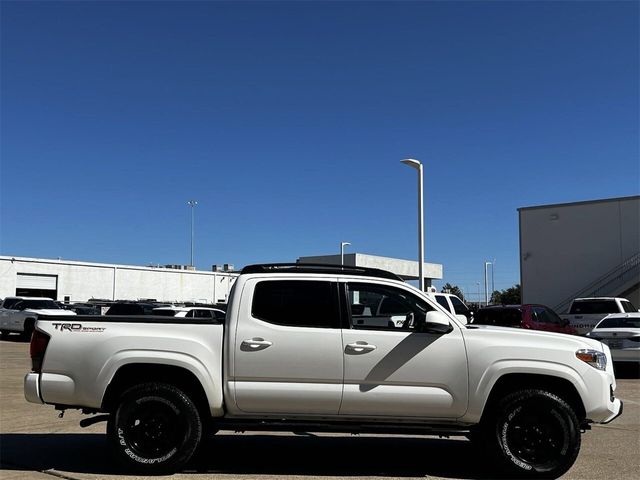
(617, 414)
(32, 388)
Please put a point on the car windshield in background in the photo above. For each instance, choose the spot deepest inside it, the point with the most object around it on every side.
(587, 307)
(628, 307)
(37, 304)
(622, 322)
(504, 317)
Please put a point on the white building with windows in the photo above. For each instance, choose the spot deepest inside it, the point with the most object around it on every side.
(582, 249)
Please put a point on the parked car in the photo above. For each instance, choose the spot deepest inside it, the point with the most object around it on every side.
(190, 312)
(19, 314)
(529, 316)
(292, 356)
(585, 313)
(131, 308)
(621, 332)
(84, 308)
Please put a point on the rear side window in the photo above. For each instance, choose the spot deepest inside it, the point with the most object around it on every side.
(297, 303)
(165, 313)
(586, 307)
(628, 307)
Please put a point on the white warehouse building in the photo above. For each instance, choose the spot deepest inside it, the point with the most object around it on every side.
(73, 281)
(583, 249)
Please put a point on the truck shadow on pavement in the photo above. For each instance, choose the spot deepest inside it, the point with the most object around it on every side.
(261, 455)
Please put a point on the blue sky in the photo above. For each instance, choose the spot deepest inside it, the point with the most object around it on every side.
(287, 122)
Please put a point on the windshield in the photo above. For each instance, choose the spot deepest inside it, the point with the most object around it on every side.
(586, 307)
(36, 305)
(620, 322)
(164, 313)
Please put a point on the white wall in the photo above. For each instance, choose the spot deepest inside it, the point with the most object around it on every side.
(82, 281)
(565, 247)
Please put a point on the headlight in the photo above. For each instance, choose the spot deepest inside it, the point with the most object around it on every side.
(593, 357)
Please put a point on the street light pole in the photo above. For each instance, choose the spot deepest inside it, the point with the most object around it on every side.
(486, 283)
(342, 245)
(192, 204)
(418, 166)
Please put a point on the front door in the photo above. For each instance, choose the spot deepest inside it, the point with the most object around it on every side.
(288, 348)
(393, 370)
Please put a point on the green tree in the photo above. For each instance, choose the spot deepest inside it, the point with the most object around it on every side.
(453, 289)
(510, 296)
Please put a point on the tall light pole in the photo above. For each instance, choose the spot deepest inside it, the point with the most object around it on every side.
(486, 283)
(493, 267)
(192, 204)
(342, 245)
(418, 166)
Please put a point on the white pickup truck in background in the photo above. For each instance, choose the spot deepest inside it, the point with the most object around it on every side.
(19, 314)
(585, 313)
(323, 348)
(452, 304)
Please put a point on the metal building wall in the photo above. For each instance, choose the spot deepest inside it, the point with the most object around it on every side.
(565, 247)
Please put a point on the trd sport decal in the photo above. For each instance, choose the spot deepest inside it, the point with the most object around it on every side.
(76, 327)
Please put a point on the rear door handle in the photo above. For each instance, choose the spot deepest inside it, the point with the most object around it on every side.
(256, 343)
(360, 347)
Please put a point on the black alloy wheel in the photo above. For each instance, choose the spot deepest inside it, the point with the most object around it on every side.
(537, 434)
(155, 429)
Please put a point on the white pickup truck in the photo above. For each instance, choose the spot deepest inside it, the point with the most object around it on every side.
(320, 348)
(585, 313)
(19, 314)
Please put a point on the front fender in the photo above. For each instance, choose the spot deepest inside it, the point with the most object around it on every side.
(479, 394)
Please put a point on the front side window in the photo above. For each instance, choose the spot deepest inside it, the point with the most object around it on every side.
(541, 315)
(297, 303)
(381, 307)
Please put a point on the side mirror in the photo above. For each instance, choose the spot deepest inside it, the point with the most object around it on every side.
(462, 318)
(436, 322)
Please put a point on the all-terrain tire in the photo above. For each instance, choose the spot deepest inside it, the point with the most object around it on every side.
(534, 434)
(155, 429)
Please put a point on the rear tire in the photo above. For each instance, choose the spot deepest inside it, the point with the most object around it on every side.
(534, 434)
(155, 429)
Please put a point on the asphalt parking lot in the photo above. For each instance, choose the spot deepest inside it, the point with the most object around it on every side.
(36, 444)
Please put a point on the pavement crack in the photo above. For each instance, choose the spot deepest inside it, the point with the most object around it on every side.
(55, 473)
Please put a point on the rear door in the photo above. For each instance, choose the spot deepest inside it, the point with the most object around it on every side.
(288, 349)
(390, 368)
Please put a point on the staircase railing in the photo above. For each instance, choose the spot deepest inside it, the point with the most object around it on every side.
(607, 282)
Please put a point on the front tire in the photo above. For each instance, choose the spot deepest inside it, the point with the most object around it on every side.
(535, 434)
(155, 429)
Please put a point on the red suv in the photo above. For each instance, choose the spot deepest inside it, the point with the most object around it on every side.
(534, 317)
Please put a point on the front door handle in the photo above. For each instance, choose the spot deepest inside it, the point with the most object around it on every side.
(256, 343)
(360, 347)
